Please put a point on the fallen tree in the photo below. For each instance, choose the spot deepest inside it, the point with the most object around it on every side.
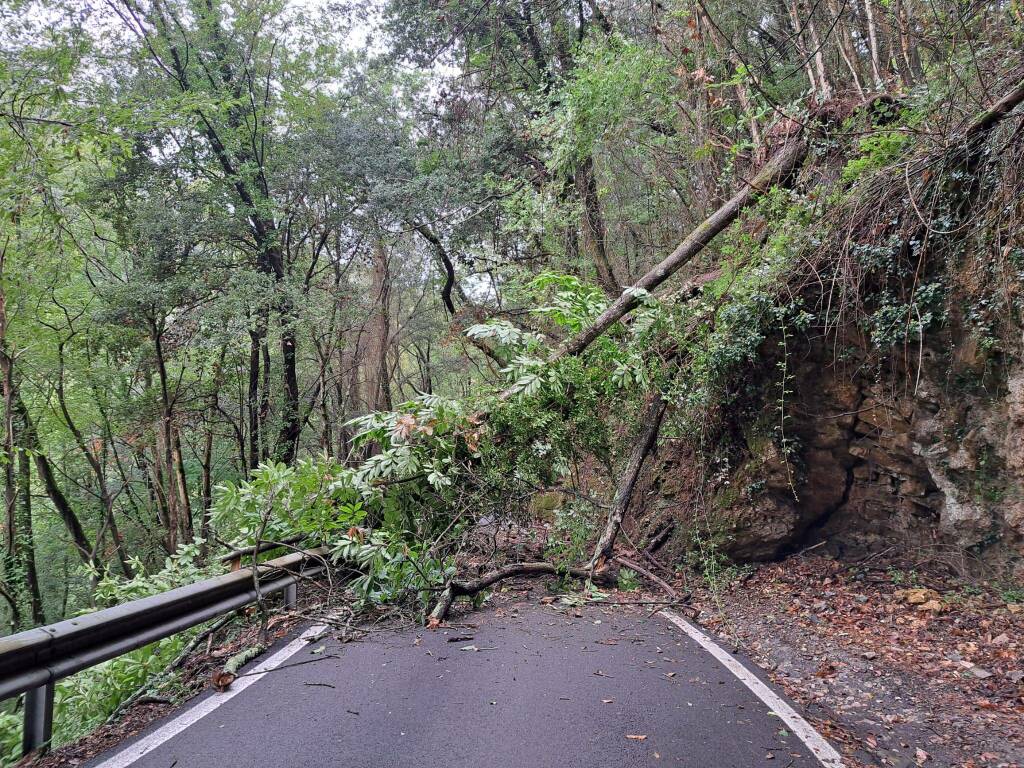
(779, 170)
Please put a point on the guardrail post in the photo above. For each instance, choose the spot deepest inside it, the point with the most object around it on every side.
(38, 728)
(291, 596)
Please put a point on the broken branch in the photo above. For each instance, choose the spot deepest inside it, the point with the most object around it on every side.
(471, 587)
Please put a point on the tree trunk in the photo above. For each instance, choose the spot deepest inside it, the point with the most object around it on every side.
(594, 230)
(173, 462)
(26, 544)
(291, 418)
(206, 483)
(380, 388)
(53, 490)
(253, 400)
(20, 544)
(654, 413)
(876, 67)
(778, 169)
(819, 58)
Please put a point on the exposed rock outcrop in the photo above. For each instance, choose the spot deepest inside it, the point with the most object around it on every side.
(881, 460)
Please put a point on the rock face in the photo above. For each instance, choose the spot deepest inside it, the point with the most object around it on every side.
(880, 460)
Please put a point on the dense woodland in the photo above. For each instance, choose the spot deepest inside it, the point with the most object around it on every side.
(377, 275)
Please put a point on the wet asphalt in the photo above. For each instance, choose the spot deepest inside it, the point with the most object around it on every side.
(524, 686)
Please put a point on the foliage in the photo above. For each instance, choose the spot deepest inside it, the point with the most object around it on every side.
(616, 84)
(311, 498)
(392, 568)
(628, 580)
(571, 534)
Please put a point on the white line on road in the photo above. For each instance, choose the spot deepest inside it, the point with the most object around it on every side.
(147, 744)
(815, 742)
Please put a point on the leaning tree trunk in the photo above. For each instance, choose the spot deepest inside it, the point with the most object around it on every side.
(778, 168)
(653, 416)
(60, 502)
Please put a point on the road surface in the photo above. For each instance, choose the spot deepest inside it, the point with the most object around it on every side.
(526, 686)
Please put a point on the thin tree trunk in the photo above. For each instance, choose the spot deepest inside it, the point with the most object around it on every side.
(253, 399)
(380, 391)
(265, 443)
(7, 380)
(20, 543)
(846, 47)
(594, 231)
(801, 48)
(52, 487)
(654, 414)
(173, 464)
(876, 68)
(291, 418)
(187, 526)
(206, 483)
(27, 548)
(819, 58)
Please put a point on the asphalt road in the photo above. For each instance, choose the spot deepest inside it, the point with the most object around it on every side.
(525, 687)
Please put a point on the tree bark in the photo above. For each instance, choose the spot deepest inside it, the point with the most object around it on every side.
(60, 502)
(876, 67)
(26, 543)
(654, 413)
(252, 401)
(20, 544)
(594, 230)
(291, 417)
(177, 496)
(206, 483)
(471, 587)
(380, 389)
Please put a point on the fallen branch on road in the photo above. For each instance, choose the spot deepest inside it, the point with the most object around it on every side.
(669, 590)
(473, 586)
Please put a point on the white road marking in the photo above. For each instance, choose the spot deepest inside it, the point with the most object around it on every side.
(815, 742)
(147, 744)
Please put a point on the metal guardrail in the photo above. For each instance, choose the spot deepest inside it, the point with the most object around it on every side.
(31, 662)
